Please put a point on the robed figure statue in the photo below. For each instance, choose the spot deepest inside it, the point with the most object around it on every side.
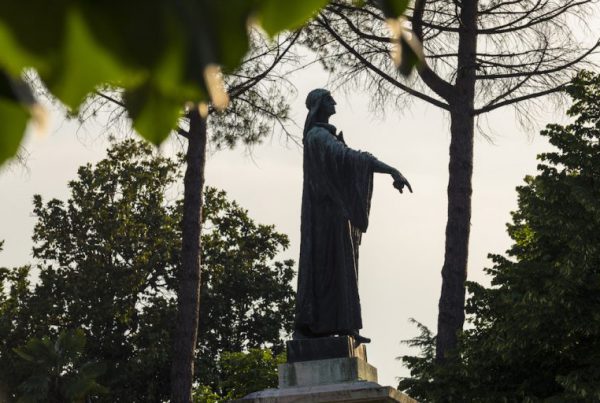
(336, 198)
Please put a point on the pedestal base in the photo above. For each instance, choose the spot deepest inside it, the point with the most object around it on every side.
(341, 392)
(322, 372)
(330, 369)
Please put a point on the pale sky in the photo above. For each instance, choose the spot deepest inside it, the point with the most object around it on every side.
(402, 251)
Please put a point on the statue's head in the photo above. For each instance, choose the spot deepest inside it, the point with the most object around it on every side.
(320, 103)
(321, 106)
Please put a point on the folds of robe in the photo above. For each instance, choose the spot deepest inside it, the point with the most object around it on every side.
(336, 198)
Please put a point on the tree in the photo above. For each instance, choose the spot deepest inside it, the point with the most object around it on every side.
(243, 373)
(256, 105)
(247, 299)
(57, 371)
(479, 56)
(14, 289)
(107, 261)
(239, 122)
(536, 330)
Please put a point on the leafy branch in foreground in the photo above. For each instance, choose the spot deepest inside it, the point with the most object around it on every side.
(165, 55)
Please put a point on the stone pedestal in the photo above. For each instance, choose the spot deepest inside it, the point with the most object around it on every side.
(337, 392)
(323, 372)
(329, 369)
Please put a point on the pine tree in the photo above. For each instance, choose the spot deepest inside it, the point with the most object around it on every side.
(536, 330)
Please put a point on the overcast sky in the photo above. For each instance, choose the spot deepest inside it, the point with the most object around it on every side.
(402, 251)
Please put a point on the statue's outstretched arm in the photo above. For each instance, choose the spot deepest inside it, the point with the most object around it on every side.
(399, 180)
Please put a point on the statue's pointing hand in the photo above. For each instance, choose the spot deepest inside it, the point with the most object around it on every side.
(400, 181)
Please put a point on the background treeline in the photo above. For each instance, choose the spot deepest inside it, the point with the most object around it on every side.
(93, 315)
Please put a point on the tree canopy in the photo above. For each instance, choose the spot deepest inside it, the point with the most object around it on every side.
(535, 332)
(106, 262)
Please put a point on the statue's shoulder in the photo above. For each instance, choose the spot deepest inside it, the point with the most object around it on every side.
(316, 131)
(319, 133)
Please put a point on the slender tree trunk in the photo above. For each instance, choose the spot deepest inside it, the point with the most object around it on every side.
(451, 315)
(188, 295)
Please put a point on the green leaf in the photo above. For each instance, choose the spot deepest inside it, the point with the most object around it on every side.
(13, 121)
(393, 8)
(71, 343)
(41, 350)
(411, 55)
(278, 15)
(23, 46)
(93, 369)
(16, 57)
(228, 41)
(23, 354)
(34, 389)
(16, 100)
(136, 32)
(85, 65)
(154, 114)
(78, 388)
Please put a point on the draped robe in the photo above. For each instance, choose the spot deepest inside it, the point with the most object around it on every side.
(336, 198)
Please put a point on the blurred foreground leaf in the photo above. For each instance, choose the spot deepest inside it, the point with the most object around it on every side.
(163, 54)
(13, 121)
(274, 16)
(392, 8)
(13, 115)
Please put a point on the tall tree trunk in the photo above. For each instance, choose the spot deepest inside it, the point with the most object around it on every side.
(188, 295)
(451, 315)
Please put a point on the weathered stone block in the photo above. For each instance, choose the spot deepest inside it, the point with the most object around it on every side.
(336, 370)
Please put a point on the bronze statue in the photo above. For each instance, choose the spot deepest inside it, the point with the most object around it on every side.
(336, 198)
